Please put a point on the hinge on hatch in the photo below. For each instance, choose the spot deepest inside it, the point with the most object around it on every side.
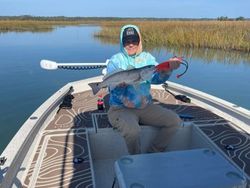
(2, 160)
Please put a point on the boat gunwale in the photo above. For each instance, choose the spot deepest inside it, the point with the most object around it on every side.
(229, 111)
(18, 147)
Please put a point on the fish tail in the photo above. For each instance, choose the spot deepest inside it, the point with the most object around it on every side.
(95, 87)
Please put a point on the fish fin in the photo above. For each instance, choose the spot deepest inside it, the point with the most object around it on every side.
(95, 87)
(137, 81)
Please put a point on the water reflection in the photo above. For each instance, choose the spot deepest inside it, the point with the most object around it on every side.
(211, 55)
(208, 55)
(30, 29)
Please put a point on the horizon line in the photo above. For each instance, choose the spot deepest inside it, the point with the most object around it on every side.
(117, 17)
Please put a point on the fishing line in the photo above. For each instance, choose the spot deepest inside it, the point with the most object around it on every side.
(185, 63)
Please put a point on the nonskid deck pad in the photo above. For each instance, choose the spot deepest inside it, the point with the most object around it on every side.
(235, 144)
(79, 116)
(62, 160)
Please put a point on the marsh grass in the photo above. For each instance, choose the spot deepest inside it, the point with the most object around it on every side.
(226, 35)
(33, 25)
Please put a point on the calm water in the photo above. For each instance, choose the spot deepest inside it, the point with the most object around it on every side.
(24, 85)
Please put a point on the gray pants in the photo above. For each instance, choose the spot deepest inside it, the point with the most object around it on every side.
(127, 121)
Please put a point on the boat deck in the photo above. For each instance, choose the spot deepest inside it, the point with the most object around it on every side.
(62, 158)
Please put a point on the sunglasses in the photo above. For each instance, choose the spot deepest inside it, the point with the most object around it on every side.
(128, 42)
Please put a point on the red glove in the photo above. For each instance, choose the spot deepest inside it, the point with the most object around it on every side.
(165, 66)
(175, 62)
(169, 65)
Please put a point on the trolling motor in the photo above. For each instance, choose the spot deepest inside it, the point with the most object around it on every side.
(52, 65)
(182, 98)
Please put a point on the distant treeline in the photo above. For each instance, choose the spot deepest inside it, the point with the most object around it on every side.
(57, 18)
(64, 18)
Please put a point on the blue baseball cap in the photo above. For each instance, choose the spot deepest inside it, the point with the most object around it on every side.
(130, 35)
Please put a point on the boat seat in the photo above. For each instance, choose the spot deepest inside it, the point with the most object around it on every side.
(178, 169)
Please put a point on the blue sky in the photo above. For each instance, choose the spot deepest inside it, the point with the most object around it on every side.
(127, 8)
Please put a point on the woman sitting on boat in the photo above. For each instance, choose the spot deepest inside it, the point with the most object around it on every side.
(131, 105)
